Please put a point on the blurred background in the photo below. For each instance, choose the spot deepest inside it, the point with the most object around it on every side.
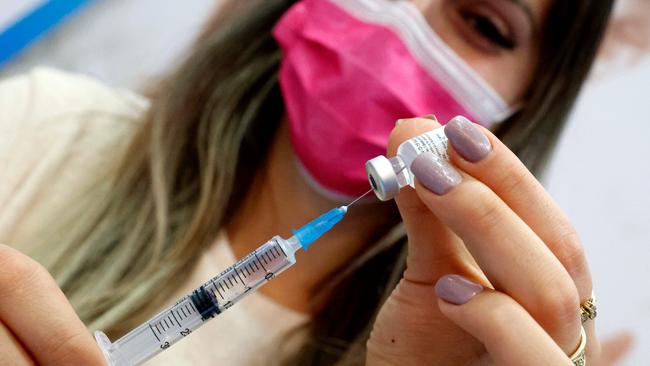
(600, 173)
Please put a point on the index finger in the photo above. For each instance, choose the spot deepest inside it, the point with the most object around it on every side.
(37, 312)
(482, 155)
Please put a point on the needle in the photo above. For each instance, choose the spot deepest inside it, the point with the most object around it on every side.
(357, 199)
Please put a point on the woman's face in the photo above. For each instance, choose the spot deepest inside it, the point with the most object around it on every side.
(498, 38)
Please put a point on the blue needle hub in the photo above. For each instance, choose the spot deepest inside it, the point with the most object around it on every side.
(319, 226)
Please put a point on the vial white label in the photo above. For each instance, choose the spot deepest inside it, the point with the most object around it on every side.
(433, 141)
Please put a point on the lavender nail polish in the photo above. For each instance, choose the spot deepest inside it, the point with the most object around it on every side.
(435, 173)
(467, 139)
(457, 289)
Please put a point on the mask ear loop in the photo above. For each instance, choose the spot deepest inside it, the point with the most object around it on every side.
(511, 111)
(434, 55)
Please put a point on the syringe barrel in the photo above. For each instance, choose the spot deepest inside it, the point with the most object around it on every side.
(205, 302)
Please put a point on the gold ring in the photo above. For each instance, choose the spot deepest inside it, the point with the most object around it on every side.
(588, 309)
(578, 357)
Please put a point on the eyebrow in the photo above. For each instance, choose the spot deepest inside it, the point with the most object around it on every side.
(529, 12)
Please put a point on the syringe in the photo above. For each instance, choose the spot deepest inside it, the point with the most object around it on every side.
(215, 296)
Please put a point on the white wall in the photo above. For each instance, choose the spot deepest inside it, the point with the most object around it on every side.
(123, 42)
(12, 10)
(600, 174)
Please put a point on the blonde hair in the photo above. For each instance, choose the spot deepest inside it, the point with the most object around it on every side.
(131, 239)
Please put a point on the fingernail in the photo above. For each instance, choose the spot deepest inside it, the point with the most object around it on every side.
(457, 289)
(431, 117)
(467, 139)
(428, 116)
(435, 173)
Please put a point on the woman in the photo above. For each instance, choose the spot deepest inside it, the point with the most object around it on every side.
(128, 216)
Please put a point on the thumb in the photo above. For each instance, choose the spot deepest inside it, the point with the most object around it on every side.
(433, 248)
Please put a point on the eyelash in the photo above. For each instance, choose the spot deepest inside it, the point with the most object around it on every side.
(486, 29)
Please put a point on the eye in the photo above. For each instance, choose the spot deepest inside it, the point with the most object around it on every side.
(487, 28)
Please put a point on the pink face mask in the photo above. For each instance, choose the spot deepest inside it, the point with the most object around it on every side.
(351, 68)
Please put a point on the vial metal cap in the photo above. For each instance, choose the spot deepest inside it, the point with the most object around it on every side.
(382, 178)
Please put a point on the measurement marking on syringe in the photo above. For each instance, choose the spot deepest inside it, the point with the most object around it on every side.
(194, 307)
(219, 292)
(175, 318)
(237, 273)
(230, 280)
(212, 291)
(181, 313)
(154, 332)
(258, 259)
(246, 269)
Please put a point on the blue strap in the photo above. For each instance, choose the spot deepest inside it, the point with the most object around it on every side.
(34, 25)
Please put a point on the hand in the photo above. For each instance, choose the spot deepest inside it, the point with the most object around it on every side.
(524, 274)
(37, 323)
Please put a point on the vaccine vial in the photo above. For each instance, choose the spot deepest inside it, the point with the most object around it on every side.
(388, 176)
